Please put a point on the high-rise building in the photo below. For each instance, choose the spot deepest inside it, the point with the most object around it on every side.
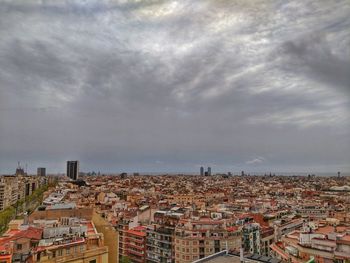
(41, 171)
(73, 169)
(202, 170)
(209, 171)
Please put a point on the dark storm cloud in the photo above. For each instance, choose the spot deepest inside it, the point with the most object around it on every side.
(315, 57)
(171, 85)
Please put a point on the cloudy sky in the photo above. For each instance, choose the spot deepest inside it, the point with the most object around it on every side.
(151, 85)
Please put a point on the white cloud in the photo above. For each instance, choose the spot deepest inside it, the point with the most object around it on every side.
(256, 161)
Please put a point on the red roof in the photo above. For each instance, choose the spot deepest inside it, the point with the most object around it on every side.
(30, 233)
(11, 232)
(139, 228)
(136, 233)
(4, 248)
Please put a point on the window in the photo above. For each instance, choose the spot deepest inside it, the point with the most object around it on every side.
(92, 261)
(59, 252)
(19, 246)
(67, 251)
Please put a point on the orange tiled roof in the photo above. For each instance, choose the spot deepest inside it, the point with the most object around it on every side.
(139, 228)
(30, 233)
(136, 233)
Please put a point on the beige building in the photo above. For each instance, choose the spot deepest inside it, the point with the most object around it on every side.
(92, 246)
(195, 239)
(8, 191)
(90, 250)
(183, 198)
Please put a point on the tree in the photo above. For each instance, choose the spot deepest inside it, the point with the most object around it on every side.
(125, 260)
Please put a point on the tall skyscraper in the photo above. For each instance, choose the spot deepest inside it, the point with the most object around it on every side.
(209, 171)
(202, 170)
(41, 171)
(73, 169)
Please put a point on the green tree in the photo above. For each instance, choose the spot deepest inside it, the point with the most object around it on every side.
(125, 260)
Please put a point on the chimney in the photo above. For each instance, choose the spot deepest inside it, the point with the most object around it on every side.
(25, 220)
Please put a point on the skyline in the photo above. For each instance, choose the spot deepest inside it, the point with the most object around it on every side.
(175, 85)
(31, 170)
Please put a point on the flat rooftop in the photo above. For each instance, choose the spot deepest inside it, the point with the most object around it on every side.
(223, 259)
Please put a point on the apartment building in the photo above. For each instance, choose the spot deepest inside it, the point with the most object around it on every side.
(123, 226)
(313, 211)
(251, 238)
(323, 243)
(66, 239)
(136, 244)
(8, 191)
(197, 238)
(267, 238)
(160, 244)
(17, 187)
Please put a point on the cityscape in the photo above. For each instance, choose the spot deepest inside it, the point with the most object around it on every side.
(203, 217)
(174, 131)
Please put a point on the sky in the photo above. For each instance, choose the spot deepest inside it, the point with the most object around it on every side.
(169, 86)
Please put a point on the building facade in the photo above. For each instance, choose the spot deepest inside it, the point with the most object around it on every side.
(41, 171)
(251, 238)
(8, 191)
(160, 244)
(199, 238)
(73, 169)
